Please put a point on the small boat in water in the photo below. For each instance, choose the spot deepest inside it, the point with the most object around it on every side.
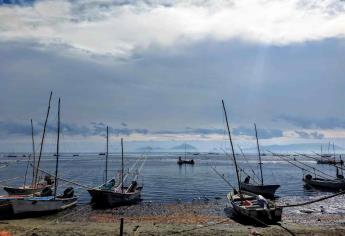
(264, 190)
(180, 161)
(326, 184)
(109, 195)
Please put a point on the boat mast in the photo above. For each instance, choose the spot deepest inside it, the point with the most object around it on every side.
(33, 153)
(260, 162)
(106, 157)
(27, 165)
(57, 152)
(42, 140)
(122, 164)
(232, 149)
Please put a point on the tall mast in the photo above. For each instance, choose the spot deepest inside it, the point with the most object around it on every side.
(106, 157)
(33, 153)
(260, 163)
(57, 151)
(232, 149)
(42, 140)
(122, 164)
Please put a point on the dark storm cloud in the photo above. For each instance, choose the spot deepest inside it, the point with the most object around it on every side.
(309, 135)
(308, 123)
(262, 133)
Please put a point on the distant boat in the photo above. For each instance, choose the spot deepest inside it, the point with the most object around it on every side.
(12, 155)
(101, 154)
(75, 155)
(262, 189)
(180, 161)
(109, 195)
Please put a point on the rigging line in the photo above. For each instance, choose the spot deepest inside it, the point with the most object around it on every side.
(314, 169)
(313, 201)
(335, 165)
(223, 177)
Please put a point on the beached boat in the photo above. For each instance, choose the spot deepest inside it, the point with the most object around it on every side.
(327, 184)
(250, 206)
(46, 202)
(109, 194)
(36, 185)
(262, 189)
(29, 189)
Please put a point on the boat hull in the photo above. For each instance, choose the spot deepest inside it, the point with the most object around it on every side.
(266, 216)
(254, 213)
(23, 191)
(109, 198)
(41, 205)
(264, 190)
(334, 185)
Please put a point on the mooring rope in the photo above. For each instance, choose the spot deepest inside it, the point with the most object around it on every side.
(313, 201)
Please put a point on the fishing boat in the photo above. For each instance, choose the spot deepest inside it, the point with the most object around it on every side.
(262, 189)
(46, 202)
(250, 206)
(38, 182)
(109, 194)
(322, 183)
(180, 161)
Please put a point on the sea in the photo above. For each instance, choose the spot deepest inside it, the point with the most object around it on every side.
(164, 181)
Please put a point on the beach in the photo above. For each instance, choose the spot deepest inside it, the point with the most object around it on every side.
(196, 218)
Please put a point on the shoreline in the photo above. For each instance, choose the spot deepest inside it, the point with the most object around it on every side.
(201, 218)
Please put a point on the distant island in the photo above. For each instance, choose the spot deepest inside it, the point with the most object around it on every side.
(183, 147)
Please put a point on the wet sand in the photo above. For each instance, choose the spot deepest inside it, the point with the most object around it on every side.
(198, 218)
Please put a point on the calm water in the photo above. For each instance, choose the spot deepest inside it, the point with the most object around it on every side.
(164, 180)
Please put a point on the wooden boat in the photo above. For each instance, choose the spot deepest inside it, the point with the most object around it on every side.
(36, 185)
(181, 162)
(254, 207)
(262, 189)
(188, 162)
(116, 196)
(327, 184)
(46, 202)
(249, 207)
(28, 189)
(109, 195)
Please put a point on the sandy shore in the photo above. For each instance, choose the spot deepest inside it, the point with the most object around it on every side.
(199, 218)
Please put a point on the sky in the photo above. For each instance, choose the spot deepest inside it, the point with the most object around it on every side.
(155, 72)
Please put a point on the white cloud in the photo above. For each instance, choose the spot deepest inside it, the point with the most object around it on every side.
(102, 27)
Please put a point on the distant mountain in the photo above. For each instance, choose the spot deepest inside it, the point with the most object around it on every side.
(184, 146)
(300, 147)
(149, 148)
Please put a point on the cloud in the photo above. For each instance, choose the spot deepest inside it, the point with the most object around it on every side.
(122, 28)
(309, 135)
(262, 133)
(307, 123)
